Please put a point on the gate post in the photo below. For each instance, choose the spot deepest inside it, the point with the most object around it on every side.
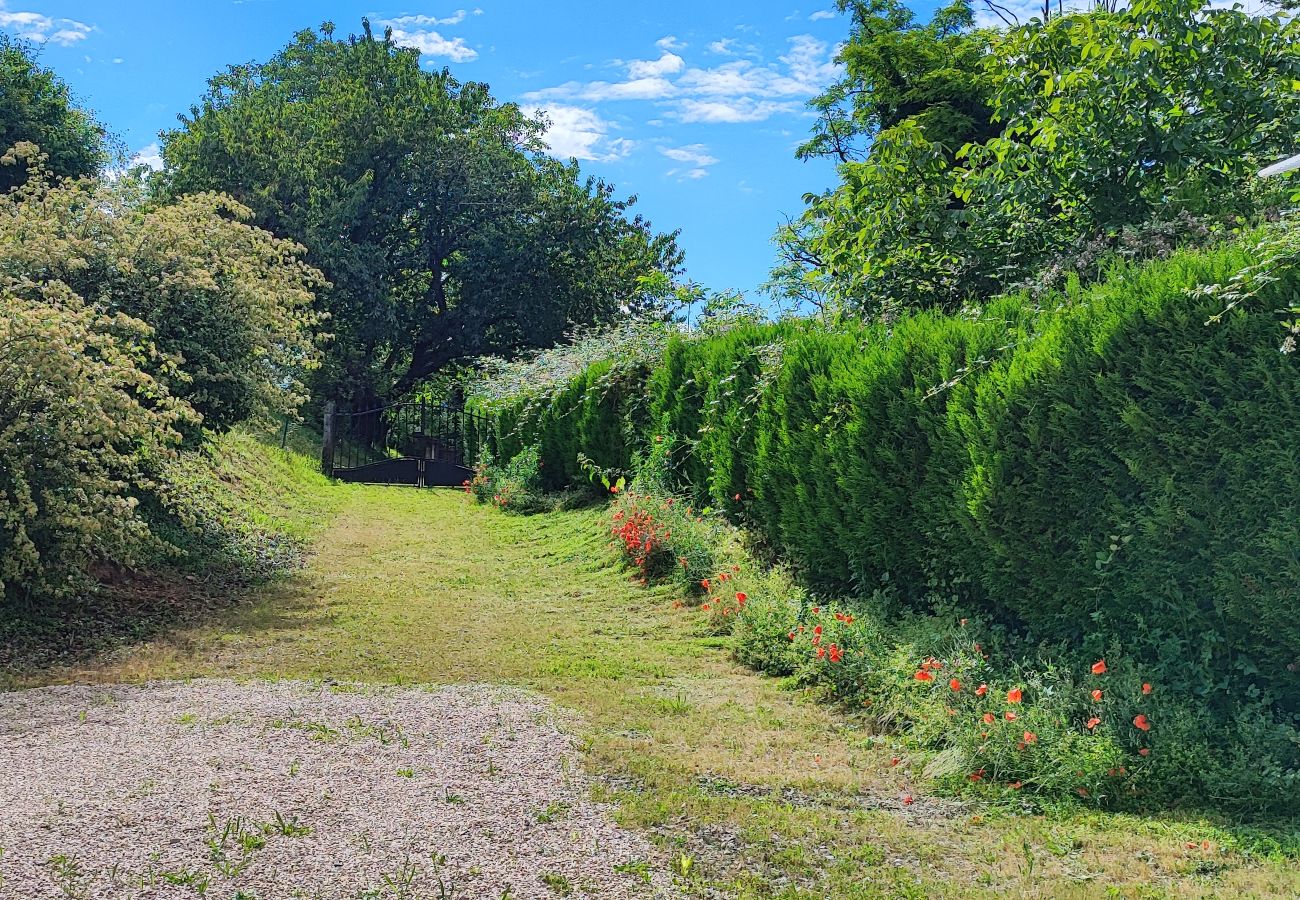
(327, 440)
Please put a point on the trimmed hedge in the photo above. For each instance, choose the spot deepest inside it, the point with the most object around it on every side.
(1100, 469)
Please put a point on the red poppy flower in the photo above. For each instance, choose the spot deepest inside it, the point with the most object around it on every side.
(1009, 716)
(894, 761)
(989, 718)
(705, 607)
(817, 639)
(836, 654)
(817, 630)
(923, 675)
(817, 610)
(1146, 687)
(736, 498)
(981, 690)
(1099, 667)
(792, 635)
(955, 684)
(741, 597)
(907, 800)
(821, 651)
(1093, 723)
(1015, 785)
(704, 583)
(1031, 738)
(1145, 751)
(1014, 695)
(1141, 721)
(1096, 695)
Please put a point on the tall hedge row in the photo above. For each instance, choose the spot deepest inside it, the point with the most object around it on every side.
(1100, 468)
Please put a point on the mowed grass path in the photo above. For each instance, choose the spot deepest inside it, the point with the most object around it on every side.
(767, 793)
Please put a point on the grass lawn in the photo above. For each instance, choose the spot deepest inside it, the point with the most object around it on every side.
(748, 787)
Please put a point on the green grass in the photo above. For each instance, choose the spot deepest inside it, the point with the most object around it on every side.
(744, 786)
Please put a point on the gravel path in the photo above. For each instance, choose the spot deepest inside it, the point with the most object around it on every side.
(275, 790)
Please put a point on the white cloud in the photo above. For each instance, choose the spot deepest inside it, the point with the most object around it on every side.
(821, 14)
(574, 131)
(668, 64)
(696, 154)
(150, 156)
(670, 43)
(39, 28)
(598, 91)
(735, 90)
(417, 32)
(743, 109)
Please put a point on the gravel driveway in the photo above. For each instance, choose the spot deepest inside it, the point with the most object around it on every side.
(283, 789)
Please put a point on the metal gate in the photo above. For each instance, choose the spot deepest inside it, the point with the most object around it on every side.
(415, 443)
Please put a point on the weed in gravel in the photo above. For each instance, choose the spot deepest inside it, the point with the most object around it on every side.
(290, 827)
(558, 884)
(401, 880)
(553, 812)
(232, 844)
(638, 867)
(192, 878)
(67, 875)
(405, 773)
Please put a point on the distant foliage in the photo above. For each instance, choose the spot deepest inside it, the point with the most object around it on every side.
(36, 107)
(1001, 153)
(444, 229)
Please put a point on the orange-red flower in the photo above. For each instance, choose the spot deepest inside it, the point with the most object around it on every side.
(1146, 687)
(1096, 695)
(989, 718)
(1015, 785)
(821, 651)
(705, 607)
(1099, 667)
(741, 597)
(1141, 721)
(923, 675)
(1009, 716)
(894, 761)
(836, 654)
(704, 583)
(792, 635)
(1145, 751)
(1015, 695)
(1093, 723)
(977, 776)
(1031, 738)
(981, 690)
(955, 684)
(907, 800)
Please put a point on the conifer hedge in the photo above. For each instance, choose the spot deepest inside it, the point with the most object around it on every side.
(1100, 468)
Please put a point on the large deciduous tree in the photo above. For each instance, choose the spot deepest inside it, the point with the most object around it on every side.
(1093, 125)
(444, 230)
(36, 107)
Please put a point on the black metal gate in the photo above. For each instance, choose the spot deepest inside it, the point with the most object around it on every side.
(415, 443)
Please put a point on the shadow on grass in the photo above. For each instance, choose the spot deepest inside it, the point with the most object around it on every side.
(132, 608)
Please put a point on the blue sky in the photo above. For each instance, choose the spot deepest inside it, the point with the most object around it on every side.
(695, 107)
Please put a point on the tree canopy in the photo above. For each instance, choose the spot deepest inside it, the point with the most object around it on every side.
(443, 228)
(37, 107)
(1097, 122)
